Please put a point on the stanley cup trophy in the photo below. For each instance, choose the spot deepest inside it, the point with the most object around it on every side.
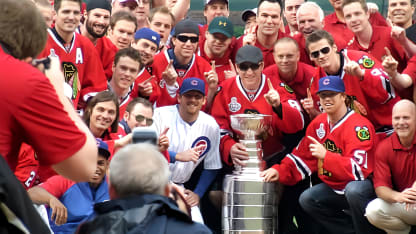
(249, 203)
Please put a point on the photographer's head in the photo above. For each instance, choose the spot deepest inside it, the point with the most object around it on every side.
(138, 169)
(22, 28)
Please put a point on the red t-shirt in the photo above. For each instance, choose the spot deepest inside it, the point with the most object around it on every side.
(382, 38)
(339, 30)
(395, 166)
(411, 71)
(32, 113)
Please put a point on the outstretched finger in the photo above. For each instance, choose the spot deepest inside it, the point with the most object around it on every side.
(199, 148)
(269, 83)
(388, 53)
(308, 92)
(165, 131)
(231, 65)
(314, 140)
(347, 59)
(252, 29)
(170, 64)
(213, 65)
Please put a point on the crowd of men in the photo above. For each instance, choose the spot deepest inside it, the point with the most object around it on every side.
(84, 75)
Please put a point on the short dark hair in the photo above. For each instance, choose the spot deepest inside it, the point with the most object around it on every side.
(162, 10)
(103, 96)
(22, 28)
(317, 36)
(57, 4)
(272, 1)
(122, 15)
(361, 2)
(138, 100)
(128, 52)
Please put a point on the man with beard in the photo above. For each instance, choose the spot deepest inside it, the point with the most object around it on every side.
(80, 61)
(146, 41)
(97, 20)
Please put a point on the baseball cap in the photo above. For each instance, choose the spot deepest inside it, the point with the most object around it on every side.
(101, 4)
(102, 148)
(122, 1)
(331, 83)
(210, 1)
(247, 13)
(250, 54)
(186, 26)
(192, 84)
(221, 25)
(148, 34)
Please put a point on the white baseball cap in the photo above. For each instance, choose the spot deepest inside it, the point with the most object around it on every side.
(247, 12)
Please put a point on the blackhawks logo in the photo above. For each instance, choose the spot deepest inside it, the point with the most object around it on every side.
(366, 62)
(362, 133)
(287, 88)
(71, 77)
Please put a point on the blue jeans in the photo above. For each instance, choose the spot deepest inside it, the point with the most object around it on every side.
(340, 213)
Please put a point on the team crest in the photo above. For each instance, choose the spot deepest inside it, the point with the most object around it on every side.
(366, 62)
(234, 106)
(320, 132)
(71, 77)
(362, 133)
(287, 88)
(331, 146)
(204, 143)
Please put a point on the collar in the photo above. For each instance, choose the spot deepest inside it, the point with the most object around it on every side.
(59, 38)
(398, 146)
(125, 126)
(123, 98)
(333, 19)
(176, 64)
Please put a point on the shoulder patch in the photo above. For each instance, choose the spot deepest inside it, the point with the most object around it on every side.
(362, 133)
(287, 88)
(366, 62)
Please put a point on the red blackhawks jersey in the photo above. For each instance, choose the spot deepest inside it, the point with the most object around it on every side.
(374, 92)
(144, 75)
(197, 67)
(81, 65)
(107, 51)
(349, 157)
(233, 99)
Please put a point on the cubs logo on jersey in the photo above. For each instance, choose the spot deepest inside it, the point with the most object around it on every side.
(204, 143)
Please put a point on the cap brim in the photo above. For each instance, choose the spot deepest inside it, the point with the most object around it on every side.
(188, 90)
(212, 31)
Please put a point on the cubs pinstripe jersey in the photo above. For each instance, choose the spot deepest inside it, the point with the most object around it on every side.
(184, 136)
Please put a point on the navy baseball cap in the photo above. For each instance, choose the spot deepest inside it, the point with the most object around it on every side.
(192, 84)
(148, 34)
(102, 148)
(331, 83)
(94, 4)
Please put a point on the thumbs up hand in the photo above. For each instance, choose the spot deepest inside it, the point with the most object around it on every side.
(170, 75)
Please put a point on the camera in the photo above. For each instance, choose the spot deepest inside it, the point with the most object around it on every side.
(145, 134)
(45, 61)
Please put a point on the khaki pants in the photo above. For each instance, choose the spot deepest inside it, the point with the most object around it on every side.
(391, 217)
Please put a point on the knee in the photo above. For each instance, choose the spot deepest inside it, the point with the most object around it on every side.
(373, 212)
(306, 200)
(357, 190)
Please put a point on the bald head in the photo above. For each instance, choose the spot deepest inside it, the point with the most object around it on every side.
(404, 121)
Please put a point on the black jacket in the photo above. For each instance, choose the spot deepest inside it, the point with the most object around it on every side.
(141, 214)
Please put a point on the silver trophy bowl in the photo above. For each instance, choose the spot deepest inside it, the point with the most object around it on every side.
(249, 203)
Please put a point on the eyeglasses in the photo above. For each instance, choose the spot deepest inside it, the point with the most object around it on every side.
(246, 66)
(184, 39)
(141, 118)
(324, 50)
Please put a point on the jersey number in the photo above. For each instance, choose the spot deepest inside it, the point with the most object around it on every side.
(361, 157)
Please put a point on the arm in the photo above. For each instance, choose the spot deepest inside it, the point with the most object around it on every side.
(81, 165)
(391, 196)
(180, 9)
(40, 196)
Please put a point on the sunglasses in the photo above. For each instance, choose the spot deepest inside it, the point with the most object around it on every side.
(141, 118)
(184, 39)
(324, 50)
(246, 66)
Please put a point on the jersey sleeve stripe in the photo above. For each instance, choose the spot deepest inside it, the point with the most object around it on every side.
(302, 168)
(356, 170)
